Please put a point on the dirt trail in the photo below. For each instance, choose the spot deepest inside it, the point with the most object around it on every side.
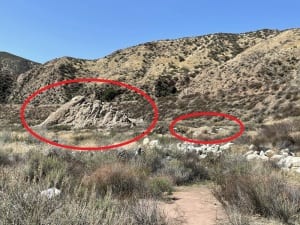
(195, 205)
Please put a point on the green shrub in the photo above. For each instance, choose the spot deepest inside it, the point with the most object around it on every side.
(164, 86)
(159, 185)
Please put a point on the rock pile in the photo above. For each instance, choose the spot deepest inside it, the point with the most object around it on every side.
(283, 158)
(204, 150)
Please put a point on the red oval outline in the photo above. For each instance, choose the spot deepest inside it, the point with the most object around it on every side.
(84, 80)
(197, 114)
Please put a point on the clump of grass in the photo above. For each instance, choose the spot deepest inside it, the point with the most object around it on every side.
(40, 167)
(160, 184)
(123, 180)
(235, 217)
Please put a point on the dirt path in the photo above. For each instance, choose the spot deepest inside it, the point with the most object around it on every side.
(195, 205)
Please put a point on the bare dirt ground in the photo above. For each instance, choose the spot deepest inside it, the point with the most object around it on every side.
(195, 205)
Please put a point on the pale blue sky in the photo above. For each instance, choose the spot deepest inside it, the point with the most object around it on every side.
(41, 30)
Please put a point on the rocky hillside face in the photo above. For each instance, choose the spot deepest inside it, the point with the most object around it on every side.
(81, 112)
(254, 76)
(11, 67)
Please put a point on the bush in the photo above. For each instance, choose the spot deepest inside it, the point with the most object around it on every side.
(258, 190)
(4, 158)
(278, 134)
(159, 185)
(22, 204)
(40, 167)
(123, 180)
(235, 217)
(164, 86)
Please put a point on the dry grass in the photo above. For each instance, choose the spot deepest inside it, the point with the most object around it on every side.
(21, 203)
(258, 189)
(281, 134)
(123, 180)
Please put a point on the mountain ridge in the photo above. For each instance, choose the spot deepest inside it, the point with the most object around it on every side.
(11, 66)
(233, 73)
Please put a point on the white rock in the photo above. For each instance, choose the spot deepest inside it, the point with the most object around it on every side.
(51, 192)
(179, 146)
(287, 150)
(252, 157)
(285, 162)
(286, 169)
(276, 158)
(249, 153)
(269, 153)
(146, 141)
(262, 153)
(285, 154)
(264, 158)
(154, 143)
(252, 147)
(297, 170)
(295, 161)
(226, 146)
(203, 156)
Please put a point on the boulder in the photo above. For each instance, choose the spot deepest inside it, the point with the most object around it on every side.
(226, 147)
(296, 169)
(203, 156)
(284, 150)
(252, 147)
(146, 141)
(295, 161)
(155, 144)
(51, 193)
(286, 162)
(263, 158)
(269, 153)
(249, 153)
(251, 157)
(276, 158)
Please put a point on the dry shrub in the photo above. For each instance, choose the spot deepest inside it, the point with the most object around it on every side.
(159, 185)
(22, 204)
(123, 180)
(235, 217)
(183, 168)
(39, 167)
(278, 134)
(4, 158)
(259, 190)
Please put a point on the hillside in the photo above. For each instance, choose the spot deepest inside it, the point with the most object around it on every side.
(92, 156)
(10, 67)
(253, 75)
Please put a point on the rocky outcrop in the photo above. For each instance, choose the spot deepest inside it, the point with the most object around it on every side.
(81, 112)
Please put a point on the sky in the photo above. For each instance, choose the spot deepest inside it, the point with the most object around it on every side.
(42, 30)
